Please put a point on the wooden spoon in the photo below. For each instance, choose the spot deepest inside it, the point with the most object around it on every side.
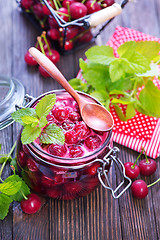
(94, 115)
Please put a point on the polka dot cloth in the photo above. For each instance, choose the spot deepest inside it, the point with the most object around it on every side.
(140, 130)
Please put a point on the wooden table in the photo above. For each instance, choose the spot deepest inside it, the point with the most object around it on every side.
(97, 216)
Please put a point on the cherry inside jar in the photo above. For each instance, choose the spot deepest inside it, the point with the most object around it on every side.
(64, 171)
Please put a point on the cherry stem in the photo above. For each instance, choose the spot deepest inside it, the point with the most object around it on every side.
(4, 163)
(147, 161)
(46, 42)
(41, 45)
(56, 5)
(63, 14)
(133, 166)
(150, 185)
(68, 8)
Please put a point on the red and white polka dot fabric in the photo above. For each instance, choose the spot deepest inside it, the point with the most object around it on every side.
(141, 130)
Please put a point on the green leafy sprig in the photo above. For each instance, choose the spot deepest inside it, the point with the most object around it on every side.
(117, 80)
(13, 188)
(35, 123)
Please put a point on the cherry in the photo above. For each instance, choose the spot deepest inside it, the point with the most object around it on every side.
(81, 130)
(71, 137)
(92, 6)
(93, 142)
(147, 168)
(45, 46)
(85, 37)
(53, 33)
(68, 45)
(78, 10)
(71, 32)
(93, 169)
(26, 3)
(52, 22)
(74, 116)
(32, 165)
(64, 15)
(57, 150)
(29, 59)
(67, 126)
(107, 3)
(32, 204)
(75, 151)
(60, 113)
(47, 182)
(43, 72)
(139, 189)
(38, 10)
(53, 55)
(131, 170)
(46, 11)
(67, 3)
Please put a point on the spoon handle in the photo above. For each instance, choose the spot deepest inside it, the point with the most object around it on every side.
(53, 71)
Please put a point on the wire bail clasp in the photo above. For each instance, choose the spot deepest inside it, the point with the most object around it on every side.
(103, 172)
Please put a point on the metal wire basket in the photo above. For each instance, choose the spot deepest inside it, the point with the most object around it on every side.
(97, 21)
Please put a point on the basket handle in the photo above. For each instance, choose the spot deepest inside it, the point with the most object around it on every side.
(104, 15)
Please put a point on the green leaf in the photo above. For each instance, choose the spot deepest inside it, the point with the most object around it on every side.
(5, 159)
(149, 49)
(29, 134)
(14, 164)
(118, 69)
(102, 96)
(149, 98)
(119, 112)
(43, 122)
(52, 134)
(130, 111)
(45, 105)
(29, 119)
(101, 54)
(139, 63)
(127, 49)
(10, 187)
(78, 84)
(17, 116)
(154, 71)
(4, 205)
(23, 190)
(123, 100)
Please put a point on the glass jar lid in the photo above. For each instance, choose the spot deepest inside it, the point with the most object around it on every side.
(11, 94)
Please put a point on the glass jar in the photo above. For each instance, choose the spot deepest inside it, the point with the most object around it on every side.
(67, 178)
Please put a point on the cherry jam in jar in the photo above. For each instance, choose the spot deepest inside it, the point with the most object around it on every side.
(64, 171)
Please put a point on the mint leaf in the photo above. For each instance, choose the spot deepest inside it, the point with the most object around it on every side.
(45, 105)
(14, 164)
(43, 122)
(10, 187)
(29, 119)
(102, 96)
(4, 205)
(127, 49)
(52, 134)
(130, 111)
(78, 84)
(17, 116)
(139, 63)
(149, 49)
(149, 98)
(29, 134)
(23, 190)
(154, 71)
(101, 54)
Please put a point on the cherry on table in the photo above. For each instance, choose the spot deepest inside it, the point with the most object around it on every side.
(29, 59)
(139, 189)
(43, 72)
(147, 167)
(131, 170)
(53, 55)
(32, 204)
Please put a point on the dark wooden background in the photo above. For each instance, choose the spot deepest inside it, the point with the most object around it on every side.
(97, 216)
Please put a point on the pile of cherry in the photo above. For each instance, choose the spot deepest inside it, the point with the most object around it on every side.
(68, 10)
(146, 167)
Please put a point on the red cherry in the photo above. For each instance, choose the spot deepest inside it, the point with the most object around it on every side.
(46, 11)
(108, 3)
(52, 22)
(68, 45)
(26, 3)
(139, 189)
(71, 32)
(93, 142)
(67, 126)
(93, 169)
(43, 72)
(65, 11)
(74, 116)
(67, 3)
(47, 182)
(81, 130)
(45, 47)
(29, 59)
(71, 137)
(57, 150)
(78, 10)
(147, 168)
(75, 151)
(31, 165)
(53, 55)
(85, 37)
(38, 10)
(92, 6)
(53, 33)
(32, 204)
(60, 113)
(131, 172)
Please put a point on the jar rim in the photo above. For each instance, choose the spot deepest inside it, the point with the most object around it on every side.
(62, 160)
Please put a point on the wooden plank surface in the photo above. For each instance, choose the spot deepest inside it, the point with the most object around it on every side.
(97, 216)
